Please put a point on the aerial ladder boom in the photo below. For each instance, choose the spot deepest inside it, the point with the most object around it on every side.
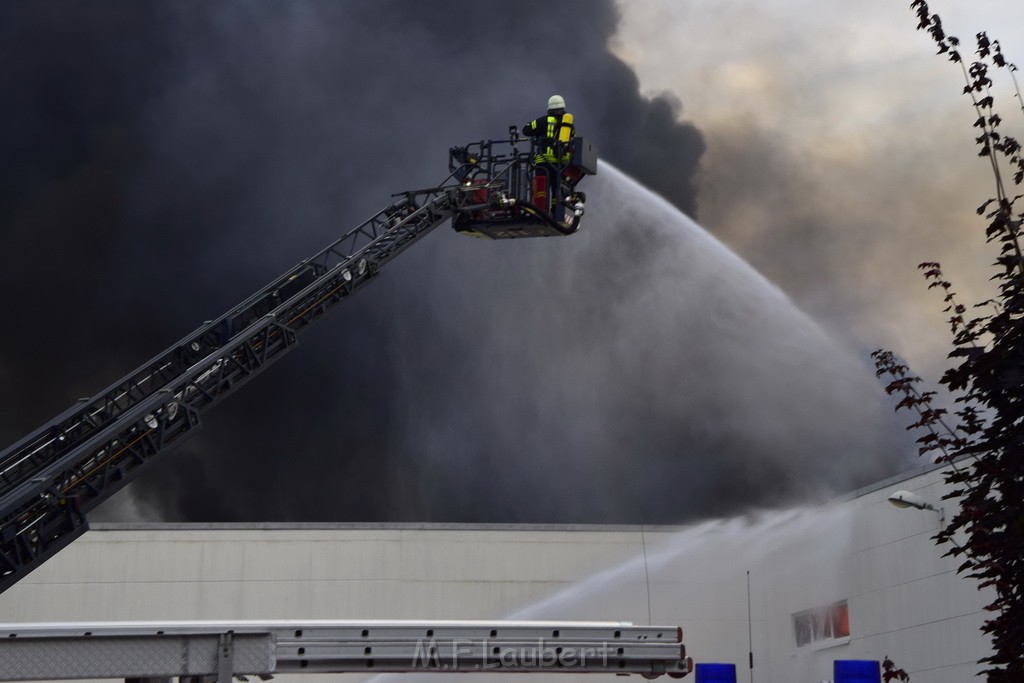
(53, 477)
(50, 479)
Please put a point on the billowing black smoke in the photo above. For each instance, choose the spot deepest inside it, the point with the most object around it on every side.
(162, 160)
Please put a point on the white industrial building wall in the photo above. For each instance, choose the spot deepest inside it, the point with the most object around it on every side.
(271, 572)
(905, 601)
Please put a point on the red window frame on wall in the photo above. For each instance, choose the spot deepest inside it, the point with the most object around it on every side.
(829, 622)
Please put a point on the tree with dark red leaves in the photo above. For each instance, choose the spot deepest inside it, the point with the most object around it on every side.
(891, 673)
(983, 442)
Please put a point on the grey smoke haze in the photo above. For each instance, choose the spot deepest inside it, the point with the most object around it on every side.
(162, 160)
(641, 368)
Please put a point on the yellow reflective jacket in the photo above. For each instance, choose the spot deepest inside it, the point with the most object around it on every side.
(552, 129)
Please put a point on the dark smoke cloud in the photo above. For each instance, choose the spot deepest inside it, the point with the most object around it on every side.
(161, 160)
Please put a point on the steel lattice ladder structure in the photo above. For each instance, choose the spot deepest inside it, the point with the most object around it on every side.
(52, 478)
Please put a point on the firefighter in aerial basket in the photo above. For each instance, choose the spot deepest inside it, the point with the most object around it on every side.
(554, 132)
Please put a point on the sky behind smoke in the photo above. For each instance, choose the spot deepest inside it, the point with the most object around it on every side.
(840, 149)
(164, 159)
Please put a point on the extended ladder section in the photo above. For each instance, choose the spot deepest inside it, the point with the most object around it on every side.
(219, 651)
(50, 479)
(54, 476)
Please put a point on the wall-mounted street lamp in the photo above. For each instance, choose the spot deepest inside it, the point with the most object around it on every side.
(908, 499)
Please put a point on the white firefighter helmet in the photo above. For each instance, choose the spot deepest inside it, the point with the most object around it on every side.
(556, 102)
